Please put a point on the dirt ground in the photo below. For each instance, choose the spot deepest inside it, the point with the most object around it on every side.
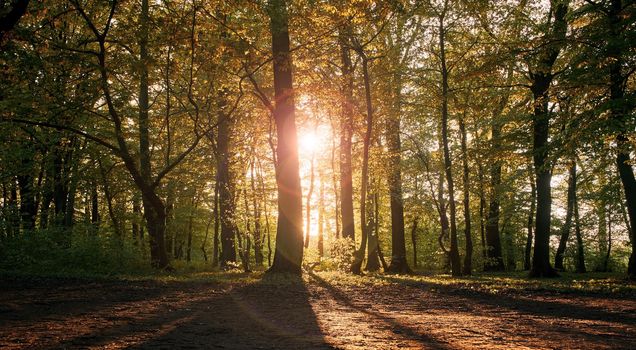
(308, 313)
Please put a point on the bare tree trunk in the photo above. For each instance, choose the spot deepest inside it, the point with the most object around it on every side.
(482, 217)
(308, 203)
(448, 165)
(567, 225)
(289, 236)
(154, 208)
(620, 112)
(527, 262)
(321, 216)
(398, 264)
(609, 243)
(541, 79)
(346, 132)
(580, 249)
(227, 202)
(359, 254)
(414, 240)
(258, 234)
(468, 259)
(215, 214)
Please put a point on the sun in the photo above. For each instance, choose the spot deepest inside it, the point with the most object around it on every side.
(308, 143)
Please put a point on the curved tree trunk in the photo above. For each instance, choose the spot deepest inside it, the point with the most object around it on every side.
(448, 165)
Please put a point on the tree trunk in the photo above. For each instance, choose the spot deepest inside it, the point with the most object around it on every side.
(308, 203)
(620, 112)
(217, 221)
(609, 244)
(359, 254)
(136, 230)
(580, 249)
(373, 246)
(227, 205)
(336, 193)
(468, 259)
(541, 79)
(289, 236)
(567, 225)
(482, 216)
(398, 263)
(321, 217)
(346, 132)
(414, 240)
(527, 262)
(258, 235)
(448, 165)
(190, 229)
(28, 210)
(493, 237)
(154, 209)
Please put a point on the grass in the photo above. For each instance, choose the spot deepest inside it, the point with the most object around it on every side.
(490, 283)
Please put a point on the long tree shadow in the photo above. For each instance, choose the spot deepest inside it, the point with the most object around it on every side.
(271, 313)
(51, 299)
(425, 340)
(522, 304)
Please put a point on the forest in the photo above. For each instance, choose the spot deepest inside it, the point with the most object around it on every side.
(284, 150)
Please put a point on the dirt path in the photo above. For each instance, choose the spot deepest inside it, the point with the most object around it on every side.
(309, 314)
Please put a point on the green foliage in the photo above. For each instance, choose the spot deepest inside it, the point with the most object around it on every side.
(341, 255)
(79, 252)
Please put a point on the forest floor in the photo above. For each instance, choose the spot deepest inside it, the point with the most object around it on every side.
(318, 311)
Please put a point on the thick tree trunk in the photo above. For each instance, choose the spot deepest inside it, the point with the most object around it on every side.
(227, 205)
(620, 112)
(541, 79)
(154, 208)
(346, 133)
(541, 260)
(289, 235)
(398, 263)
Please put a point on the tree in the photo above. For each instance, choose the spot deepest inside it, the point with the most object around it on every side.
(542, 76)
(289, 234)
